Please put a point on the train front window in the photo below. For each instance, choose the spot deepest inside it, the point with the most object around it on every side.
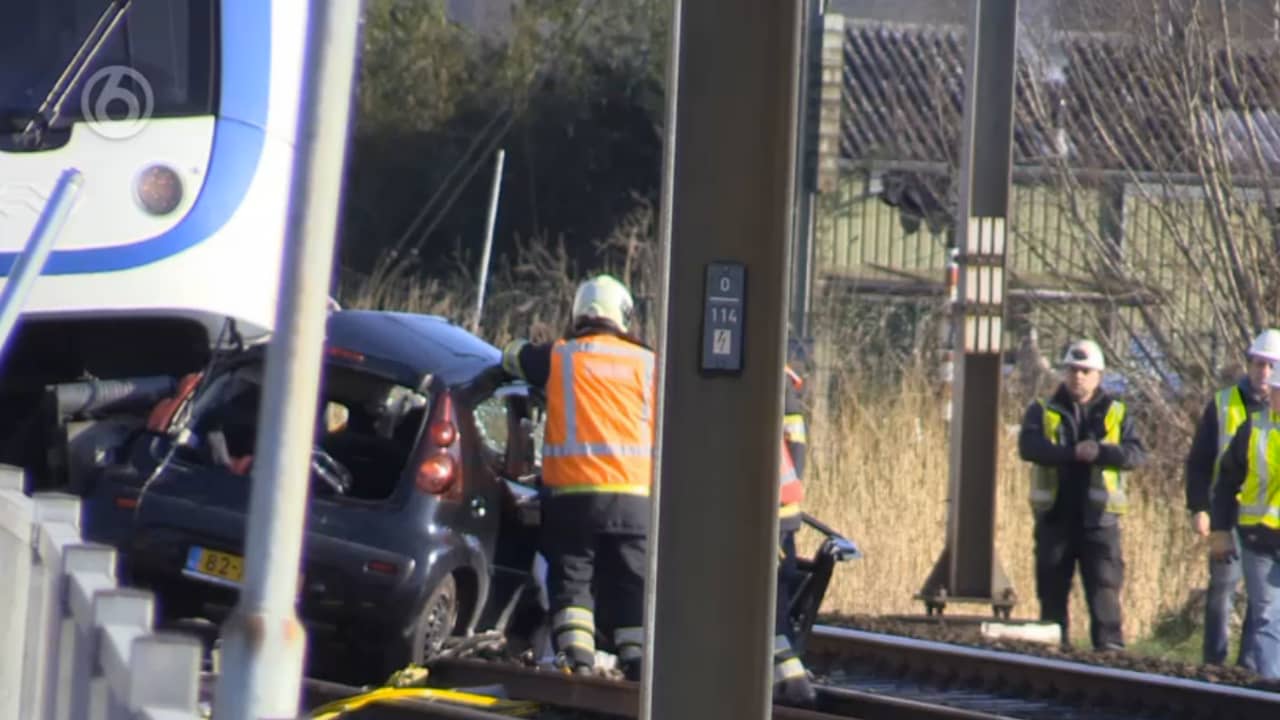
(168, 45)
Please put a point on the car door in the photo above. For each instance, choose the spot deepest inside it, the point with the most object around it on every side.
(201, 496)
(191, 511)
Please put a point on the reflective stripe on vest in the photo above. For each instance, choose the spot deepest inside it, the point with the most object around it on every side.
(790, 490)
(1231, 415)
(599, 434)
(793, 428)
(1106, 485)
(1259, 497)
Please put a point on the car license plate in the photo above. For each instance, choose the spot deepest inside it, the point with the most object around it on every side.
(213, 565)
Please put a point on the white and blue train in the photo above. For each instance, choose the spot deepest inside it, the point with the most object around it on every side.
(180, 116)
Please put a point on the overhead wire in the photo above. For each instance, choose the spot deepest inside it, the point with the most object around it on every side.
(546, 64)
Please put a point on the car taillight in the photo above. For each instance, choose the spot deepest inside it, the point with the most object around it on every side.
(435, 474)
(437, 470)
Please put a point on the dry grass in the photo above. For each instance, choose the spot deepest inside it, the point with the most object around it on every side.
(528, 295)
(526, 298)
(879, 449)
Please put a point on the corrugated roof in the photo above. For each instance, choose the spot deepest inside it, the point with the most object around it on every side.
(1109, 101)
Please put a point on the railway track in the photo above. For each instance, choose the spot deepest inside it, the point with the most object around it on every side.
(562, 696)
(867, 676)
(1003, 684)
(621, 699)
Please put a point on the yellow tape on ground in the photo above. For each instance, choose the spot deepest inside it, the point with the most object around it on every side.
(335, 709)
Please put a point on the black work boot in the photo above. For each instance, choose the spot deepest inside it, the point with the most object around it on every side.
(796, 692)
(574, 663)
(631, 670)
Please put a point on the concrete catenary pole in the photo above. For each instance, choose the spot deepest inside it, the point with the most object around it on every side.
(728, 182)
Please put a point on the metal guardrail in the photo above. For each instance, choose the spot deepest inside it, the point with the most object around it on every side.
(77, 646)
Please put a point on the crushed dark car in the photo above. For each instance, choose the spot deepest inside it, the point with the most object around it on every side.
(416, 530)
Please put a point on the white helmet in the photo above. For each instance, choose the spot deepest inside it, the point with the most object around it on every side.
(1266, 345)
(1085, 354)
(603, 298)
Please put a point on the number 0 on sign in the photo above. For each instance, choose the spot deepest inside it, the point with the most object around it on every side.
(724, 308)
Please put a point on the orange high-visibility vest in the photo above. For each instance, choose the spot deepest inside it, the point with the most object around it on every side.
(790, 491)
(600, 424)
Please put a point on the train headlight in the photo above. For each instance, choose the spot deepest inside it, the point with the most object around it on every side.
(159, 190)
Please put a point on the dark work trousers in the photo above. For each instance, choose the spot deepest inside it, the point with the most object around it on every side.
(787, 667)
(788, 579)
(601, 571)
(1058, 548)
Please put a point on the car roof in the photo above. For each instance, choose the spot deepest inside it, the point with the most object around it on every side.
(406, 346)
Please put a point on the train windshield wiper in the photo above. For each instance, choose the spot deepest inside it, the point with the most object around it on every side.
(46, 115)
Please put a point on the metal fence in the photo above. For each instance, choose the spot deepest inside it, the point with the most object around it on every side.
(76, 645)
(894, 226)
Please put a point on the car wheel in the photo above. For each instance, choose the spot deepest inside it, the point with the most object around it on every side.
(436, 621)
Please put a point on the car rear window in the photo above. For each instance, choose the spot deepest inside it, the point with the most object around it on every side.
(364, 422)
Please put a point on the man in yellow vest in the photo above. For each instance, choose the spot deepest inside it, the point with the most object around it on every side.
(1079, 441)
(1246, 500)
(790, 679)
(1228, 409)
(793, 424)
(596, 472)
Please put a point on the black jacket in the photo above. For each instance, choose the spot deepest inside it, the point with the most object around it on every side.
(1078, 423)
(1226, 508)
(535, 360)
(1204, 447)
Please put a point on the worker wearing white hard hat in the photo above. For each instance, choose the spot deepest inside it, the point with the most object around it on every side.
(1080, 442)
(1246, 524)
(596, 469)
(1226, 411)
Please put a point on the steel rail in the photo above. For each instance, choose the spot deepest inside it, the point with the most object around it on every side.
(1022, 675)
(850, 703)
(589, 694)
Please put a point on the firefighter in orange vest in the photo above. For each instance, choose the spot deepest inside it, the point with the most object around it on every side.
(790, 679)
(596, 472)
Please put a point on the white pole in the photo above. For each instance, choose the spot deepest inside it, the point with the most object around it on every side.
(494, 193)
(31, 262)
(263, 642)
